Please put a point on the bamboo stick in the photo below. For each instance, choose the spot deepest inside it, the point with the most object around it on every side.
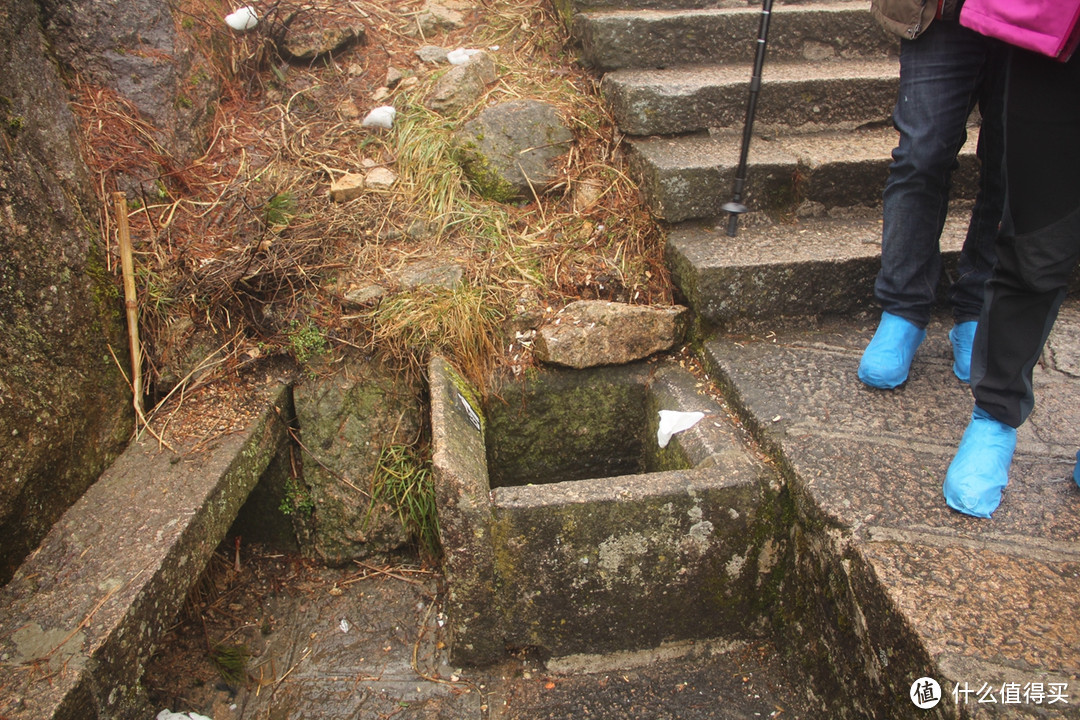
(127, 266)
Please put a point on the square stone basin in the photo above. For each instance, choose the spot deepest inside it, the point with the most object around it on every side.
(567, 529)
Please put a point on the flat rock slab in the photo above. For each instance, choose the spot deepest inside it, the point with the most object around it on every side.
(987, 601)
(387, 659)
(80, 618)
(588, 333)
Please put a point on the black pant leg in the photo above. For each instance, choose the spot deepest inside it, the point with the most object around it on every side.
(1039, 244)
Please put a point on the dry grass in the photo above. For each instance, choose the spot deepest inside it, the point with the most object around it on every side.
(243, 242)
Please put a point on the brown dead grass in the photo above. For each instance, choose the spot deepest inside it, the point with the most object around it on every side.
(244, 245)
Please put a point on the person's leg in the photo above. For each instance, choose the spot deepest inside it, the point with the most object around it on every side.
(940, 74)
(940, 77)
(1037, 251)
(1022, 301)
(1039, 245)
(977, 254)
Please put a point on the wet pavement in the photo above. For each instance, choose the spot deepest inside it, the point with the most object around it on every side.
(368, 642)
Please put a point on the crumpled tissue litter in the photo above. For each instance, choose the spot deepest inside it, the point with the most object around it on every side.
(170, 715)
(382, 116)
(242, 19)
(461, 55)
(675, 421)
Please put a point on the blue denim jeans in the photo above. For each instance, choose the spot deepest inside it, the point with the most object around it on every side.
(944, 74)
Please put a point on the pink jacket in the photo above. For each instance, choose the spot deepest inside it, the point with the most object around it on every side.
(1048, 27)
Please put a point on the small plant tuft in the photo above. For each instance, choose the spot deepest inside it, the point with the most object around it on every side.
(231, 662)
(280, 209)
(297, 499)
(307, 341)
(403, 480)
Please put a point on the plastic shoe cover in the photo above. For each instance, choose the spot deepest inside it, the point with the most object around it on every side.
(980, 470)
(887, 359)
(962, 336)
(1076, 470)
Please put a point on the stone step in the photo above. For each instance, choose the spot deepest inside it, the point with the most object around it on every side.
(567, 8)
(691, 98)
(80, 619)
(614, 39)
(904, 587)
(809, 267)
(692, 176)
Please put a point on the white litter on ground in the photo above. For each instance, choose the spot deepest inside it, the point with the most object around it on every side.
(382, 116)
(675, 421)
(242, 19)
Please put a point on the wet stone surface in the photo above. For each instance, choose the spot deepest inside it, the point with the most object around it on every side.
(366, 641)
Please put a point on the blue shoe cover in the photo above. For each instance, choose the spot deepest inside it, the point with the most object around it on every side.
(887, 359)
(1076, 470)
(962, 336)
(980, 470)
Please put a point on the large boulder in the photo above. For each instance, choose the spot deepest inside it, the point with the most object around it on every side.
(508, 151)
(65, 410)
(347, 415)
(132, 47)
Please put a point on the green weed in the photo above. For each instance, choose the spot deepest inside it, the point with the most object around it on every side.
(231, 661)
(306, 341)
(297, 499)
(403, 480)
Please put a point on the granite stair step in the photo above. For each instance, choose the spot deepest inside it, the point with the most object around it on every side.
(692, 98)
(567, 8)
(979, 605)
(806, 267)
(691, 176)
(613, 39)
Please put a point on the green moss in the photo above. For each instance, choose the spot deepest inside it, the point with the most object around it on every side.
(13, 124)
(484, 179)
(297, 499)
(567, 425)
(462, 385)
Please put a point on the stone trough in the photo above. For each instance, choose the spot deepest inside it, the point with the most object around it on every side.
(568, 530)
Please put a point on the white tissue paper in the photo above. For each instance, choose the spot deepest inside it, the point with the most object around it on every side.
(675, 421)
(243, 19)
(170, 715)
(382, 116)
(461, 55)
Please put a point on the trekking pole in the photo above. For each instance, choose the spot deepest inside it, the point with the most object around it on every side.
(736, 207)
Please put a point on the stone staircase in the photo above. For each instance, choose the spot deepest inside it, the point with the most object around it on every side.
(676, 80)
(887, 585)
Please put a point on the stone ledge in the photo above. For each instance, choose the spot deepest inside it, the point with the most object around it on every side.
(79, 620)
